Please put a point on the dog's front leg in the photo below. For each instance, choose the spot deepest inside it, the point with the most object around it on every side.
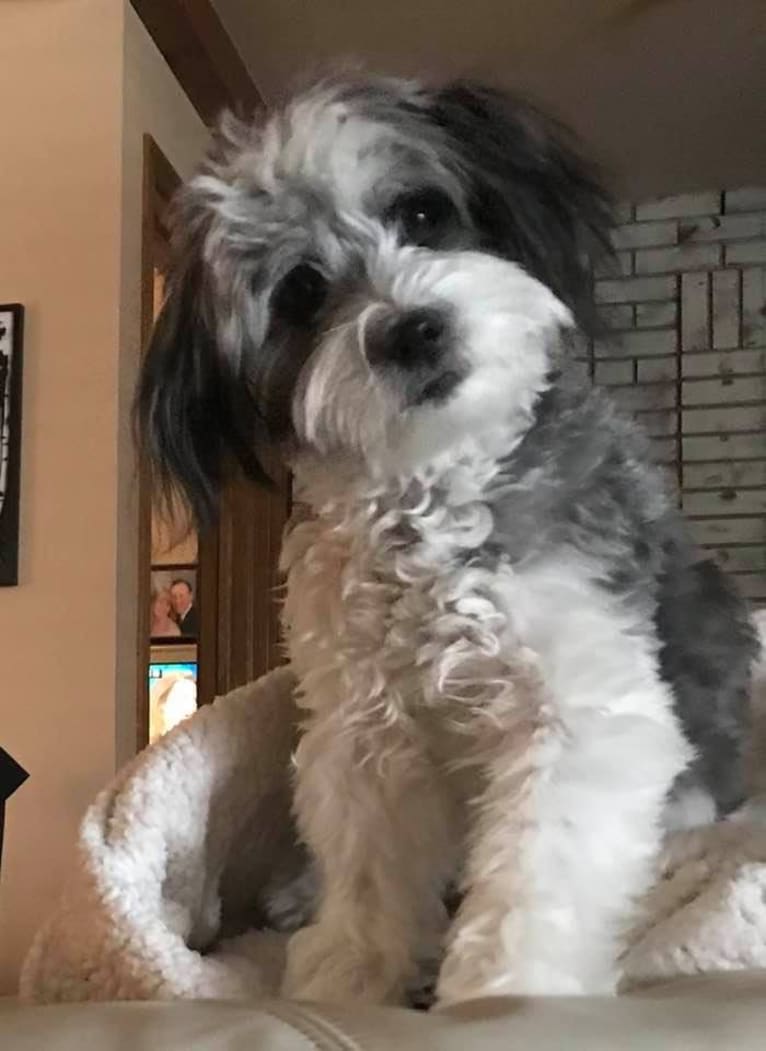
(369, 807)
(567, 829)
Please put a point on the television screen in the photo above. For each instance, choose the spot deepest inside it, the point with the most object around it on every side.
(172, 694)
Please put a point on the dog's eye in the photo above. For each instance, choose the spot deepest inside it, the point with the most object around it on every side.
(424, 217)
(300, 294)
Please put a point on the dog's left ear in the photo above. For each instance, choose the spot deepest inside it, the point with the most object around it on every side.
(532, 197)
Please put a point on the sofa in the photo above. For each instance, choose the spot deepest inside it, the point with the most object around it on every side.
(710, 1013)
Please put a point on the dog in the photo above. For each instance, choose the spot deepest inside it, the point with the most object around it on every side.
(516, 669)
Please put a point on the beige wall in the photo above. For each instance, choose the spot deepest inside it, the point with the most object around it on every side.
(79, 84)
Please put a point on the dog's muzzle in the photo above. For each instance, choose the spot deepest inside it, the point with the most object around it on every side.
(418, 337)
(419, 345)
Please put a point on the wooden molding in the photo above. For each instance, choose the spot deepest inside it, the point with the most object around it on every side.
(200, 52)
(238, 580)
(249, 585)
(160, 181)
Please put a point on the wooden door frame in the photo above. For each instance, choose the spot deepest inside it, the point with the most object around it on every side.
(239, 630)
(237, 558)
(160, 181)
(193, 41)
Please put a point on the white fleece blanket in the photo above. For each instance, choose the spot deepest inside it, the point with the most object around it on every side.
(176, 853)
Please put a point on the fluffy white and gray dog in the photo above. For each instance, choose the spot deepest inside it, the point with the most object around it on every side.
(514, 666)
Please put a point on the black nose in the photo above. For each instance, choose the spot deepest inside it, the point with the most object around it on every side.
(418, 337)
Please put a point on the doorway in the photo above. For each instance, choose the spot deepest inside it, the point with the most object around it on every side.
(208, 605)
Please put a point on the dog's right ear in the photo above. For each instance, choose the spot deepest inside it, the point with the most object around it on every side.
(190, 411)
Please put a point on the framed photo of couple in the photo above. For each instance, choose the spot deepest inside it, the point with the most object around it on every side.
(174, 612)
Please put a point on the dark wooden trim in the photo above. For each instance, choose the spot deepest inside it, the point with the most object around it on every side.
(237, 577)
(200, 52)
(251, 524)
(11, 510)
(207, 602)
(165, 179)
(160, 180)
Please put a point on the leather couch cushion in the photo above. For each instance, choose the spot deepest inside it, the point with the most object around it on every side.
(718, 1013)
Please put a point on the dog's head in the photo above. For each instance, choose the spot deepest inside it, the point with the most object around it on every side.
(341, 283)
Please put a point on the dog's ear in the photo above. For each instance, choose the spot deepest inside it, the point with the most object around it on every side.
(191, 411)
(532, 196)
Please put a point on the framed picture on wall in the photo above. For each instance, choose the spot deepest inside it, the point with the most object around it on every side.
(11, 336)
(174, 610)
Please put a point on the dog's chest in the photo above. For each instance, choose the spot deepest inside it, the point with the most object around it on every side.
(396, 630)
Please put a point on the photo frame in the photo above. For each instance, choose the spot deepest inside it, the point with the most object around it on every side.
(174, 616)
(11, 359)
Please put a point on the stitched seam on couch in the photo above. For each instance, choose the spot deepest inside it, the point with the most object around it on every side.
(319, 1031)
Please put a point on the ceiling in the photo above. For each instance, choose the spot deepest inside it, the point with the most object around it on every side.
(669, 94)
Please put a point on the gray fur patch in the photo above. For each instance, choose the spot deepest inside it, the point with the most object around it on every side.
(583, 478)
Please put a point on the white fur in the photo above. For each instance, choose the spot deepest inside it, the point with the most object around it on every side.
(569, 825)
(321, 139)
(459, 728)
(341, 405)
(458, 725)
(499, 726)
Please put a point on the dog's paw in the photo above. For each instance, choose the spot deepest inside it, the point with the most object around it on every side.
(324, 967)
(477, 980)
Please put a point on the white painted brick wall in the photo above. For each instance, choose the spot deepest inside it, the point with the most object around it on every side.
(618, 315)
(612, 373)
(682, 205)
(657, 370)
(743, 559)
(636, 290)
(695, 311)
(746, 252)
(645, 235)
(681, 257)
(637, 343)
(726, 308)
(726, 391)
(646, 397)
(620, 265)
(725, 421)
(723, 447)
(684, 349)
(748, 199)
(753, 310)
(656, 315)
(731, 473)
(725, 501)
(719, 228)
(731, 363)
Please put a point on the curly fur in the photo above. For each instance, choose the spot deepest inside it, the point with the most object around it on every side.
(515, 667)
